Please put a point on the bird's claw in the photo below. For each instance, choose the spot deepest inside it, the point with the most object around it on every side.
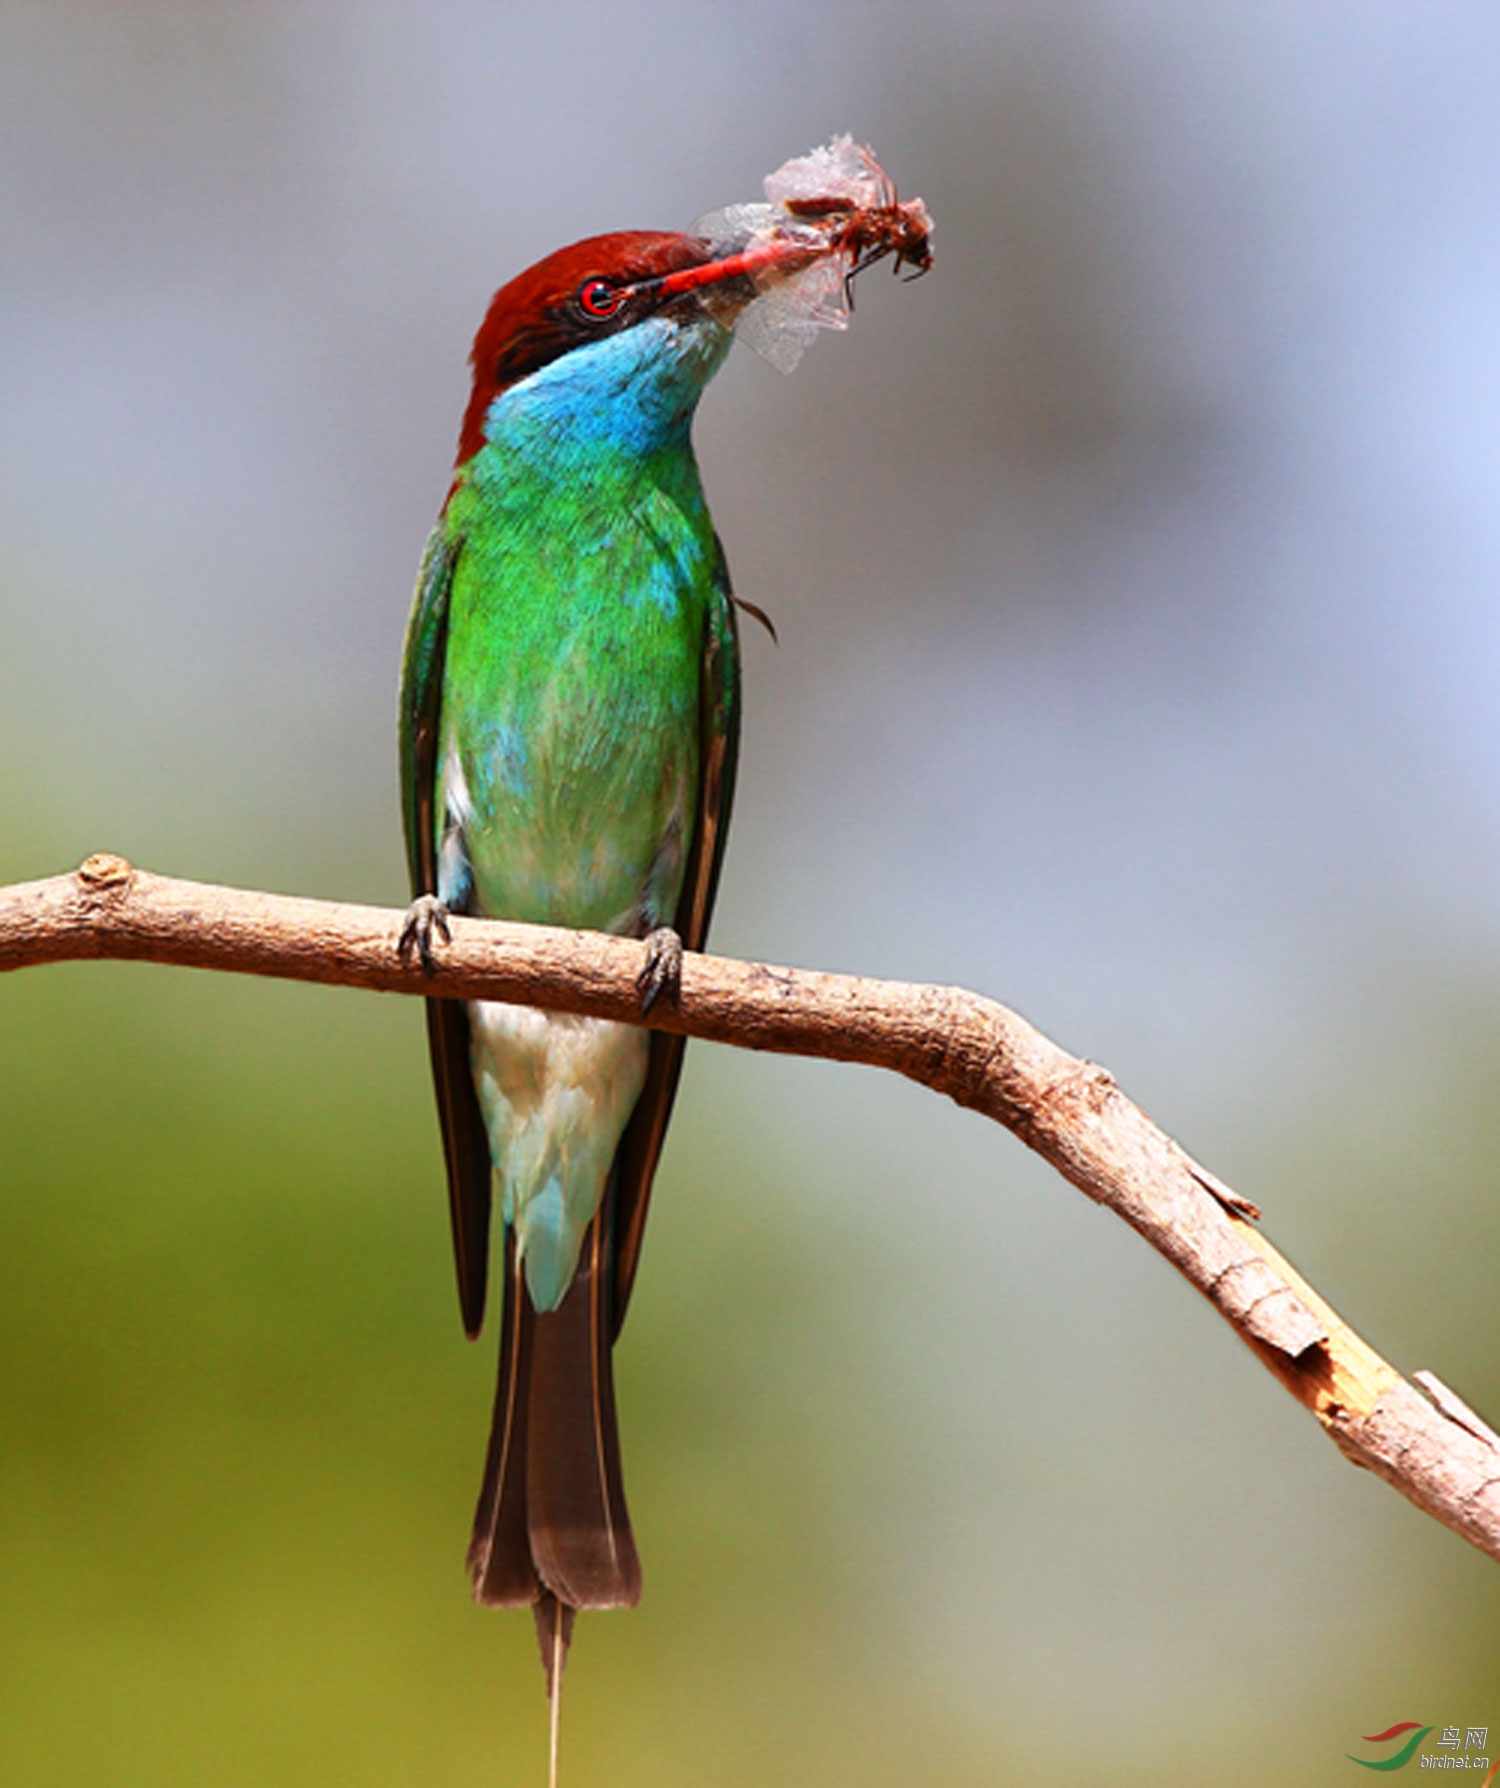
(426, 918)
(661, 973)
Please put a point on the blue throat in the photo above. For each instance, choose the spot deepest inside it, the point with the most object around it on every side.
(631, 394)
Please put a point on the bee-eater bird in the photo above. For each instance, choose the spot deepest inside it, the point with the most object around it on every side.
(570, 712)
(569, 725)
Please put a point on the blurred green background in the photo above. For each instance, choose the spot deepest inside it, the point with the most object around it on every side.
(1136, 579)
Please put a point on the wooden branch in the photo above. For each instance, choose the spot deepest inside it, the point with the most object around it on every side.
(1431, 1448)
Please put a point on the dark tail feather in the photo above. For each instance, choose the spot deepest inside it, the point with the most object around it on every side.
(551, 1530)
(500, 1550)
(554, 1634)
(580, 1531)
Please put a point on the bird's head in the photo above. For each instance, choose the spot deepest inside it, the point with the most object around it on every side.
(668, 293)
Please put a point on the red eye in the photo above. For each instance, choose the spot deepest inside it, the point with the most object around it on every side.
(599, 299)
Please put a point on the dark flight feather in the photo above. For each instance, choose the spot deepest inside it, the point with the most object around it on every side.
(466, 1146)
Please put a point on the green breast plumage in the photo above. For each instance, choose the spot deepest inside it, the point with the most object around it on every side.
(569, 743)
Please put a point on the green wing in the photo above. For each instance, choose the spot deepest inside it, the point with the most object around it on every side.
(466, 1148)
(465, 1142)
(718, 754)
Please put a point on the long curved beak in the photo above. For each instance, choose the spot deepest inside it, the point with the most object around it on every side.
(762, 264)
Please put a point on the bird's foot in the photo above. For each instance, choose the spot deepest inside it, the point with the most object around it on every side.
(426, 919)
(662, 971)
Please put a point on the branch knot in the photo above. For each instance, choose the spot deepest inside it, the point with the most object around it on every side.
(104, 871)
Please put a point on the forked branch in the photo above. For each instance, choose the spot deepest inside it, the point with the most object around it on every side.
(1430, 1447)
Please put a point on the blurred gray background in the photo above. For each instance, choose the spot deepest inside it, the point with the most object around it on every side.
(1136, 580)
